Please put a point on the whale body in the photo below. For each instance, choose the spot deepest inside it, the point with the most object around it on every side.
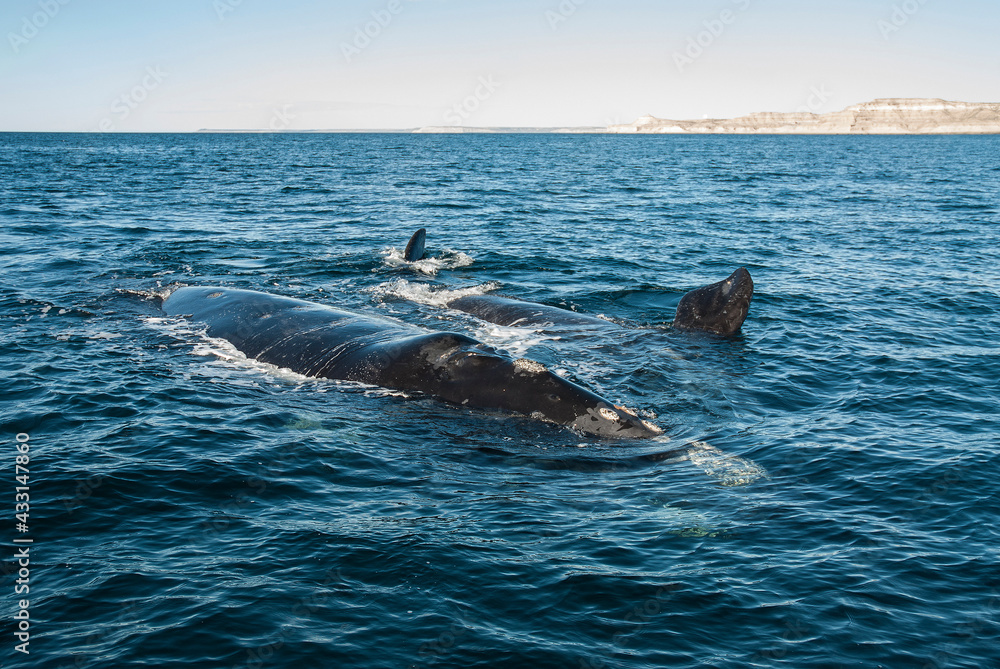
(321, 341)
(510, 312)
(719, 308)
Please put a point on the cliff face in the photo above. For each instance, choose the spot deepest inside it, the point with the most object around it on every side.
(889, 116)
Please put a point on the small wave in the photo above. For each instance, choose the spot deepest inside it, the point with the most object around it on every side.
(450, 205)
(30, 308)
(307, 189)
(978, 207)
(448, 259)
(226, 353)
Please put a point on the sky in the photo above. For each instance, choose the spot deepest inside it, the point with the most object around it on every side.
(186, 65)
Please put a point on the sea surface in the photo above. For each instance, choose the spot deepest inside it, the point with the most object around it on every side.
(824, 495)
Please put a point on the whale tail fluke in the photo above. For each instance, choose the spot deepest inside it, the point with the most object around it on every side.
(415, 247)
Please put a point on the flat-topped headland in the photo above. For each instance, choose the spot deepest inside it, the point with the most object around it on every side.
(886, 116)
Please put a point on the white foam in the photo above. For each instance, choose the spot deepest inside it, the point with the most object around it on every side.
(160, 292)
(514, 340)
(448, 259)
(223, 353)
(729, 470)
(423, 293)
(103, 335)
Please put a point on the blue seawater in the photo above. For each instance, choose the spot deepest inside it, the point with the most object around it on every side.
(825, 494)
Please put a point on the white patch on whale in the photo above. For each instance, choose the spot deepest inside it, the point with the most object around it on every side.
(529, 366)
(608, 414)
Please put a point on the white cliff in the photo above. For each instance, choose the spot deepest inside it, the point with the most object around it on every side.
(887, 116)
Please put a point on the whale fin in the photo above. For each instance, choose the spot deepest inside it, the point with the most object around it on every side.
(415, 247)
(719, 308)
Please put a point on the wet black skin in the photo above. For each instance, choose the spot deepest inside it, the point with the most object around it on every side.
(415, 247)
(320, 341)
(719, 308)
(507, 311)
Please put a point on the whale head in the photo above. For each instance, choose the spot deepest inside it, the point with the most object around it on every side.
(485, 378)
(719, 308)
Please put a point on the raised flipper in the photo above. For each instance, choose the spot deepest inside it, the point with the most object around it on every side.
(415, 247)
(719, 308)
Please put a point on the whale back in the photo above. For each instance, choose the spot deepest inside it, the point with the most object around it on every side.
(510, 312)
(321, 341)
(308, 338)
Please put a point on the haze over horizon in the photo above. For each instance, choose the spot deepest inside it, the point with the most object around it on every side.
(113, 65)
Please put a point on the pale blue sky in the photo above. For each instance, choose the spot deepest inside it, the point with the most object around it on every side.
(183, 65)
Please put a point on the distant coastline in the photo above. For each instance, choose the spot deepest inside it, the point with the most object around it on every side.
(428, 130)
(885, 116)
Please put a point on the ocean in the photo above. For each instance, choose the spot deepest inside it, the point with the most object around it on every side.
(824, 493)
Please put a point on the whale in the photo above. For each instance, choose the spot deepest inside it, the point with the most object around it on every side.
(719, 308)
(415, 247)
(512, 312)
(321, 341)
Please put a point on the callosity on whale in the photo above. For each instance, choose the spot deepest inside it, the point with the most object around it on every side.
(321, 341)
